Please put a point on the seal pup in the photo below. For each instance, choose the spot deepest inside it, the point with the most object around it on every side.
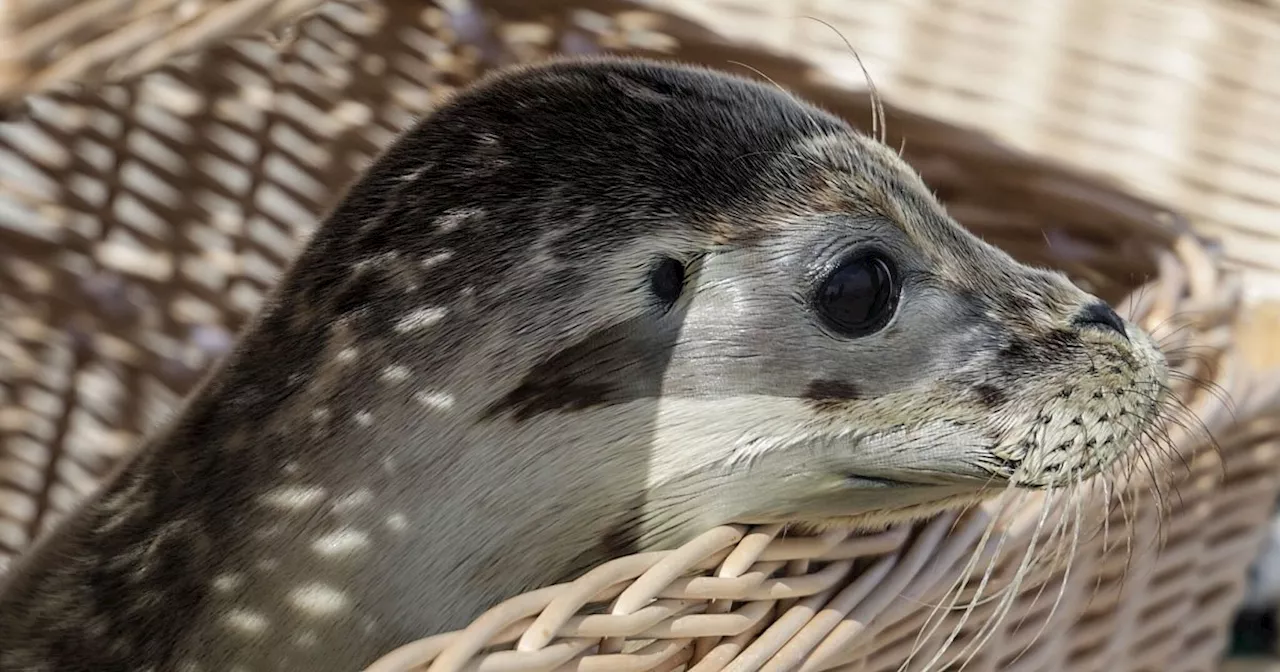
(583, 309)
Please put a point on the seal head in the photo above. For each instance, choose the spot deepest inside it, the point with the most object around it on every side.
(582, 309)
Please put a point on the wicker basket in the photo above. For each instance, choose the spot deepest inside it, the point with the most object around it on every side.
(48, 42)
(143, 217)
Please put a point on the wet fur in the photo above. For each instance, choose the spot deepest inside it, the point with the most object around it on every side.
(463, 390)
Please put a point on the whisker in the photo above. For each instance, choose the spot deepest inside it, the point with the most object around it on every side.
(878, 118)
(957, 589)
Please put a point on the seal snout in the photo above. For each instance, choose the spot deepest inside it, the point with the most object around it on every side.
(1099, 315)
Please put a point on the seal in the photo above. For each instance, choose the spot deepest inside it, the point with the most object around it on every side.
(582, 309)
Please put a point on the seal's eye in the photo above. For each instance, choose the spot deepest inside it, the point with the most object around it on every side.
(858, 298)
(667, 280)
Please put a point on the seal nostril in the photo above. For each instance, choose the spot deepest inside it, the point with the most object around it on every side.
(1099, 314)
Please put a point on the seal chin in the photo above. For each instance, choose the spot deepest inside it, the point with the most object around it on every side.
(915, 482)
(906, 501)
(931, 503)
(867, 501)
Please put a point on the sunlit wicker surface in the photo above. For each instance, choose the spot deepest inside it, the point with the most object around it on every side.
(1177, 99)
(51, 41)
(140, 224)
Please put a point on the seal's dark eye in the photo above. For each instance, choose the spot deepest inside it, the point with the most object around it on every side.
(667, 280)
(858, 298)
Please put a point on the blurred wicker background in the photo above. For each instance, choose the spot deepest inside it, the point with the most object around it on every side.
(1170, 98)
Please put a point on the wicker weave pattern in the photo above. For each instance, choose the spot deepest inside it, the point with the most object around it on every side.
(141, 222)
(50, 42)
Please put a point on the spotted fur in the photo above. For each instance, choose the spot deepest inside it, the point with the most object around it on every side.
(462, 389)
